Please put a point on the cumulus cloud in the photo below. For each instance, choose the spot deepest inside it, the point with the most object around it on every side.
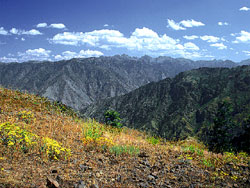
(105, 25)
(182, 25)
(191, 37)
(15, 31)
(209, 38)
(222, 23)
(41, 25)
(191, 23)
(82, 54)
(175, 26)
(244, 9)
(220, 46)
(57, 26)
(53, 25)
(31, 32)
(191, 46)
(242, 37)
(142, 40)
(8, 59)
(90, 53)
(3, 31)
(93, 38)
(38, 54)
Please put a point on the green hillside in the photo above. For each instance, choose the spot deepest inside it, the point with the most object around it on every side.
(184, 105)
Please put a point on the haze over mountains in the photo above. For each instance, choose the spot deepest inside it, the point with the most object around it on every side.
(80, 82)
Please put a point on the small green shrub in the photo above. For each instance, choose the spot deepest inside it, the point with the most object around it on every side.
(112, 118)
(153, 140)
(92, 129)
(118, 150)
(207, 163)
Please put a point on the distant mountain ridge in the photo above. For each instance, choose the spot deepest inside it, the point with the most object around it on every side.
(80, 82)
(175, 108)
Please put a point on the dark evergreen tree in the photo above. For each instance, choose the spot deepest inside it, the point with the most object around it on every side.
(221, 133)
(112, 118)
(241, 141)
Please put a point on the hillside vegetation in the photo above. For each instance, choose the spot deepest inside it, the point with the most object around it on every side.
(44, 144)
(186, 105)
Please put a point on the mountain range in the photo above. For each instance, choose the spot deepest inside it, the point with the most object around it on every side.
(80, 82)
(178, 107)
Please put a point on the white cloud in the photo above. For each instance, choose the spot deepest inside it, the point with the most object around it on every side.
(244, 9)
(247, 53)
(182, 25)
(54, 25)
(58, 26)
(91, 38)
(244, 37)
(41, 25)
(191, 23)
(90, 53)
(191, 46)
(31, 32)
(14, 31)
(69, 53)
(209, 38)
(105, 25)
(144, 33)
(38, 54)
(175, 26)
(142, 40)
(191, 37)
(222, 23)
(22, 39)
(58, 57)
(3, 31)
(82, 54)
(220, 46)
(8, 59)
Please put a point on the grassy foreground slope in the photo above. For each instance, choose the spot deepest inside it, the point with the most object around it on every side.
(47, 145)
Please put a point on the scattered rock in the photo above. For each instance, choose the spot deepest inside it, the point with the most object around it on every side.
(94, 186)
(83, 167)
(119, 178)
(143, 185)
(51, 183)
(151, 178)
(59, 179)
(155, 175)
(98, 175)
(54, 171)
(143, 154)
(145, 162)
(80, 184)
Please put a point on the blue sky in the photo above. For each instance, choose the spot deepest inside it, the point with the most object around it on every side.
(62, 29)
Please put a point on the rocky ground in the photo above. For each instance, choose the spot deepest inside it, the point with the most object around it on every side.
(154, 163)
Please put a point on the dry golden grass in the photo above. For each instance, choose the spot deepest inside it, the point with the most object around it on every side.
(88, 141)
